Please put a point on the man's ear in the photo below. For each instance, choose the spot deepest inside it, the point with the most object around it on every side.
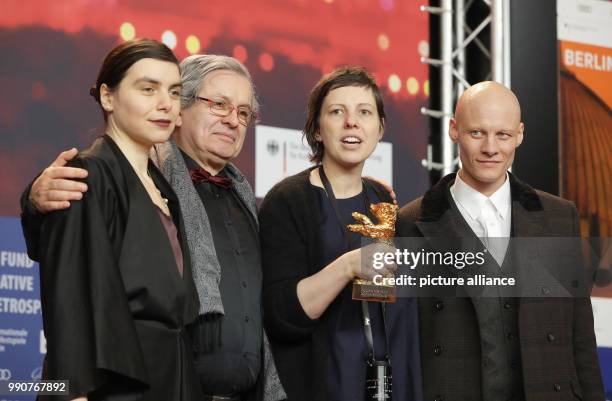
(179, 120)
(106, 98)
(519, 138)
(453, 132)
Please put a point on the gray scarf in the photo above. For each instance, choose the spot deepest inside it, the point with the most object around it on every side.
(205, 265)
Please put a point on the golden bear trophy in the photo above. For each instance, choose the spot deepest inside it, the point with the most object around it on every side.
(384, 231)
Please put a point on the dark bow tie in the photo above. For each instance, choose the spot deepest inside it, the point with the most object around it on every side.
(199, 175)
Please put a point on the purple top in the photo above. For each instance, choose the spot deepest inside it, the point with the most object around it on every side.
(173, 237)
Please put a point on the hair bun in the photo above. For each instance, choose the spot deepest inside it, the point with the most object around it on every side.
(93, 91)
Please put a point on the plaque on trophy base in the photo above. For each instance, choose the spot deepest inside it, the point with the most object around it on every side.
(365, 290)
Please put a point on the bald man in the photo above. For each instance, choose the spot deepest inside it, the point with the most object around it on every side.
(499, 348)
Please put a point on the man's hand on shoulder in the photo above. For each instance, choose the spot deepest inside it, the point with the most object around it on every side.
(57, 185)
(386, 186)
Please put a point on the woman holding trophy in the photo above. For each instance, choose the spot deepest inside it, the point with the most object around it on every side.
(328, 346)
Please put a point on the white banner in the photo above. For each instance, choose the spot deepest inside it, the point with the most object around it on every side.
(585, 21)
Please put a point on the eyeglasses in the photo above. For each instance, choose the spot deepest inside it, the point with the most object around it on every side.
(222, 108)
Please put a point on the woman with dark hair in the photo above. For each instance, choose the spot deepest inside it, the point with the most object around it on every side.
(116, 282)
(309, 259)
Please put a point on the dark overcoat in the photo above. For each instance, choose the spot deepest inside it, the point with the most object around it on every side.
(556, 335)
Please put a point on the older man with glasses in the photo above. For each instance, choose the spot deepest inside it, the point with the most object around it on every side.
(218, 104)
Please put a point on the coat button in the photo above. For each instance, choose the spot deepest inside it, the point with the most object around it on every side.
(437, 350)
(246, 319)
(545, 290)
(439, 305)
(557, 387)
(507, 305)
(439, 398)
(510, 336)
(550, 337)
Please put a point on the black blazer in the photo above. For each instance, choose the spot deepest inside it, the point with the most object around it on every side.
(289, 221)
(557, 340)
(114, 303)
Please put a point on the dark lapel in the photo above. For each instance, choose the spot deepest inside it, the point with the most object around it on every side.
(439, 216)
(528, 217)
(444, 228)
(143, 213)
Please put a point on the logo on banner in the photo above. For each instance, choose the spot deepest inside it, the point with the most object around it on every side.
(5, 374)
(272, 147)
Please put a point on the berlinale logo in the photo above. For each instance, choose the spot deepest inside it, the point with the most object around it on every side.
(5, 374)
(272, 147)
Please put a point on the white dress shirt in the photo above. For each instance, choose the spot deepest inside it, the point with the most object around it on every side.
(488, 217)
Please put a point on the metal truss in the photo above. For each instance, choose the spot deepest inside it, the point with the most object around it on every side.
(455, 37)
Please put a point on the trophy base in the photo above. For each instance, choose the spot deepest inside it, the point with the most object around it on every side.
(368, 291)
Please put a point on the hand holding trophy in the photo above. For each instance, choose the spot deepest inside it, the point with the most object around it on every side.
(383, 232)
(378, 372)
